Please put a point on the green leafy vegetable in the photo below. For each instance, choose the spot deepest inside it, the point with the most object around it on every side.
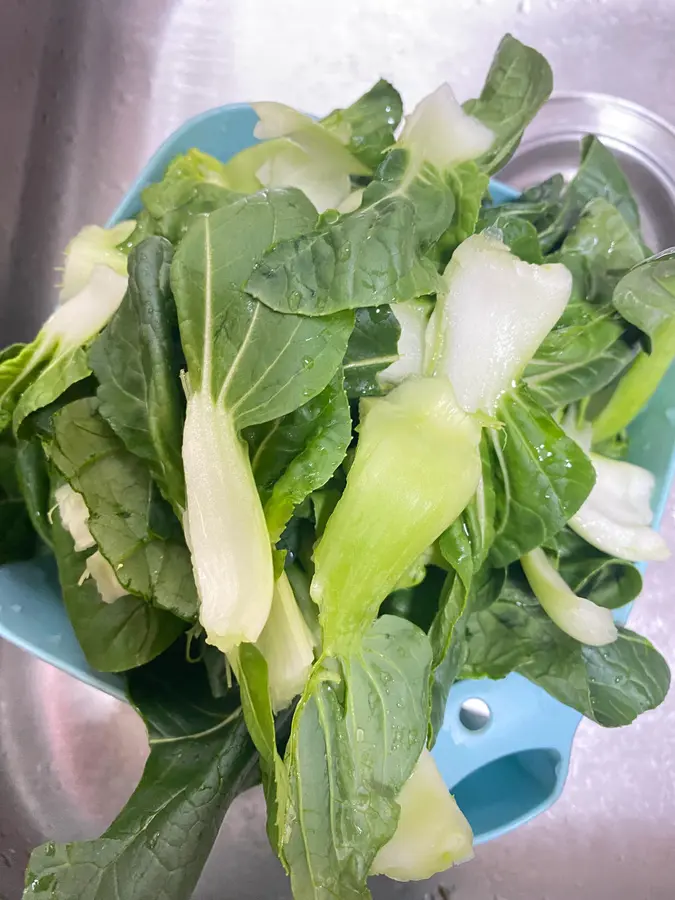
(644, 297)
(367, 126)
(372, 347)
(201, 757)
(33, 480)
(519, 82)
(134, 528)
(136, 364)
(357, 735)
(114, 636)
(296, 454)
(246, 365)
(17, 539)
(610, 685)
(541, 477)
(412, 438)
(599, 176)
(193, 184)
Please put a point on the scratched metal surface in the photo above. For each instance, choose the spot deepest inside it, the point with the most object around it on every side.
(88, 88)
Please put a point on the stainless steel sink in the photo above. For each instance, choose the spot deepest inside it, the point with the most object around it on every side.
(88, 88)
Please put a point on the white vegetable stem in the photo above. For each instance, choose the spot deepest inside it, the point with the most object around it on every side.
(576, 616)
(226, 530)
(102, 572)
(299, 152)
(74, 516)
(438, 131)
(413, 318)
(93, 246)
(617, 515)
(286, 643)
(488, 325)
(432, 833)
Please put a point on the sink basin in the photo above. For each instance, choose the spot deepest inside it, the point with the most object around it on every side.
(90, 89)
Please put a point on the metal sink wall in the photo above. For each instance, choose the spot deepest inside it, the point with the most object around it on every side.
(88, 88)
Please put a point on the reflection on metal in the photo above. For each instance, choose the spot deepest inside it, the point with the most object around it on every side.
(87, 90)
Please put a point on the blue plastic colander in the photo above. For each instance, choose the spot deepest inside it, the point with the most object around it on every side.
(503, 774)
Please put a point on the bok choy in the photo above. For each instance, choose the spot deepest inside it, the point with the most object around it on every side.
(320, 433)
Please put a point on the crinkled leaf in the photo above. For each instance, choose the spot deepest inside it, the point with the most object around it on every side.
(599, 176)
(469, 185)
(519, 82)
(541, 477)
(538, 205)
(201, 757)
(357, 734)
(645, 296)
(63, 371)
(372, 347)
(297, 454)
(600, 249)
(581, 355)
(114, 636)
(610, 685)
(368, 125)
(520, 236)
(135, 529)
(136, 362)
(369, 257)
(258, 364)
(193, 184)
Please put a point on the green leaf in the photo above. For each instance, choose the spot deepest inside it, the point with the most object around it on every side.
(446, 636)
(610, 685)
(257, 708)
(469, 185)
(520, 236)
(600, 249)
(363, 259)
(16, 363)
(581, 355)
(368, 124)
(519, 82)
(133, 526)
(538, 205)
(605, 580)
(644, 297)
(372, 347)
(33, 480)
(114, 636)
(357, 734)
(201, 758)
(136, 362)
(193, 184)
(297, 454)
(17, 538)
(599, 175)
(256, 363)
(466, 544)
(541, 477)
(369, 257)
(430, 191)
(61, 372)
